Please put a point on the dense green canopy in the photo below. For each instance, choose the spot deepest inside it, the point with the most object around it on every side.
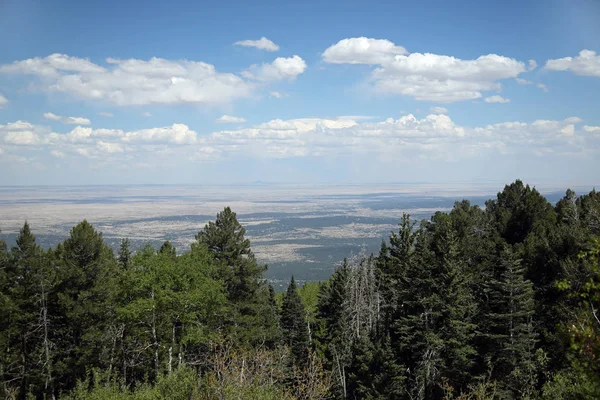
(501, 302)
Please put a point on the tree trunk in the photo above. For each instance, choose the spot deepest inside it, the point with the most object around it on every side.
(154, 337)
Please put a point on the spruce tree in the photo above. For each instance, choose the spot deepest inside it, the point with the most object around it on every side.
(168, 249)
(239, 269)
(86, 265)
(436, 329)
(125, 253)
(293, 324)
(509, 326)
(241, 274)
(335, 337)
(24, 261)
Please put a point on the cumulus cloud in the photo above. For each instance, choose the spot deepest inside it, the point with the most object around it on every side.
(53, 66)
(146, 114)
(438, 110)
(496, 99)
(591, 129)
(3, 101)
(434, 136)
(362, 50)
(281, 68)
(586, 63)
(573, 120)
(532, 64)
(428, 77)
(134, 81)
(263, 44)
(107, 147)
(175, 134)
(542, 86)
(276, 95)
(21, 133)
(521, 81)
(228, 119)
(568, 130)
(67, 120)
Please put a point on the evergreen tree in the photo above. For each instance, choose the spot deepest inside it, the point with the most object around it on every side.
(242, 276)
(29, 280)
(436, 330)
(86, 264)
(168, 249)
(22, 286)
(239, 270)
(509, 328)
(293, 324)
(335, 337)
(125, 253)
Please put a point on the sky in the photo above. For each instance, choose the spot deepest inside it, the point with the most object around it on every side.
(188, 92)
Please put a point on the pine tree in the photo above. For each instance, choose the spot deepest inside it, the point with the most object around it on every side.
(24, 261)
(225, 240)
(86, 265)
(125, 253)
(168, 248)
(335, 337)
(509, 326)
(30, 281)
(293, 324)
(435, 332)
(242, 276)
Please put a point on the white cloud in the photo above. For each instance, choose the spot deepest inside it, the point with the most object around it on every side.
(408, 137)
(67, 120)
(107, 147)
(133, 81)
(52, 116)
(146, 114)
(3, 101)
(21, 133)
(77, 121)
(53, 66)
(573, 120)
(175, 134)
(362, 50)
(521, 81)
(281, 68)
(568, 130)
(532, 65)
(438, 110)
(228, 119)
(105, 114)
(542, 86)
(496, 99)
(263, 44)
(427, 77)
(586, 63)
(276, 95)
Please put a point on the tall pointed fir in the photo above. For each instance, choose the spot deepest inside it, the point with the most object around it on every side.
(240, 273)
(436, 331)
(508, 327)
(293, 324)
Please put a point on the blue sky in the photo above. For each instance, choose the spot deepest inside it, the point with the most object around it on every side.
(188, 92)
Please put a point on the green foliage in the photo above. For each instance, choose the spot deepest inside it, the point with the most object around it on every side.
(242, 277)
(294, 324)
(494, 303)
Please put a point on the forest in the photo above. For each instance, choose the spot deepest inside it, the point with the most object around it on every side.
(494, 302)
